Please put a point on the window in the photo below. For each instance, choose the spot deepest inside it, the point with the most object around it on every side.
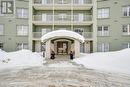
(22, 46)
(75, 1)
(22, 13)
(46, 1)
(79, 17)
(22, 30)
(62, 17)
(126, 29)
(79, 30)
(103, 13)
(126, 11)
(103, 30)
(1, 14)
(1, 45)
(80, 1)
(1, 29)
(103, 47)
(125, 45)
(7, 7)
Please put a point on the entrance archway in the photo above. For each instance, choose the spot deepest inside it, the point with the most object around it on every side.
(62, 42)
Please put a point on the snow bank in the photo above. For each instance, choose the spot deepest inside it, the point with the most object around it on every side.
(118, 61)
(20, 58)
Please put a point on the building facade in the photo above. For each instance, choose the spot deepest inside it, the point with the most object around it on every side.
(14, 24)
(73, 15)
(113, 21)
(105, 24)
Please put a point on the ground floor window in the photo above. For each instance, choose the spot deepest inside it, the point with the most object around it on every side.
(1, 45)
(126, 29)
(22, 46)
(103, 47)
(125, 45)
(82, 48)
(1, 29)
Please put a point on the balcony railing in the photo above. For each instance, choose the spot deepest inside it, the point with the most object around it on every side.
(126, 33)
(74, 18)
(63, 2)
(37, 35)
(87, 35)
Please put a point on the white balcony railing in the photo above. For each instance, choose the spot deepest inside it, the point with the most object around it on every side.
(63, 2)
(87, 35)
(67, 18)
(37, 35)
(126, 33)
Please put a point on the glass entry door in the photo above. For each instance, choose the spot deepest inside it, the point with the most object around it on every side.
(62, 47)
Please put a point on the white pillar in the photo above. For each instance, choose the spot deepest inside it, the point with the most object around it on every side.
(37, 46)
(48, 49)
(77, 48)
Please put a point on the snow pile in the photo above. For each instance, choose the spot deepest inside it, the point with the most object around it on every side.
(20, 58)
(2, 55)
(62, 33)
(118, 61)
(62, 64)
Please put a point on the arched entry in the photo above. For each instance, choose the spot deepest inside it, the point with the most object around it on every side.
(62, 46)
(62, 42)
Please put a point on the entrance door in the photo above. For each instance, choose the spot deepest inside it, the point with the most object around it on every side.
(62, 47)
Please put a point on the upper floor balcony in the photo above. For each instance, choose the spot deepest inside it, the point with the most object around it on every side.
(62, 20)
(87, 35)
(62, 4)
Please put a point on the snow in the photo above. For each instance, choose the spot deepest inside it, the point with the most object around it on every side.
(118, 61)
(62, 64)
(20, 58)
(62, 33)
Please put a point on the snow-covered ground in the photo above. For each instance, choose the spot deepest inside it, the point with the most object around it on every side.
(62, 64)
(118, 61)
(20, 58)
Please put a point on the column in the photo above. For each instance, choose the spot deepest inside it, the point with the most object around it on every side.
(77, 48)
(48, 49)
(37, 46)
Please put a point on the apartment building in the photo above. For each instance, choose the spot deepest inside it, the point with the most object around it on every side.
(113, 25)
(14, 24)
(72, 15)
(105, 25)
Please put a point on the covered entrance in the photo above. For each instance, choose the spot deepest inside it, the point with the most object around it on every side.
(62, 42)
(62, 47)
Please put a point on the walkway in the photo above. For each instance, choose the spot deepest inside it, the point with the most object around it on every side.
(59, 58)
(61, 76)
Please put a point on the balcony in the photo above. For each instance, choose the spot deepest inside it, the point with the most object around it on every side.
(62, 20)
(87, 35)
(62, 5)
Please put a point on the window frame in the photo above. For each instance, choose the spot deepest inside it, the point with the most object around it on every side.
(22, 46)
(21, 15)
(102, 33)
(22, 27)
(103, 47)
(3, 29)
(1, 45)
(124, 45)
(102, 13)
(127, 9)
(127, 29)
(6, 7)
